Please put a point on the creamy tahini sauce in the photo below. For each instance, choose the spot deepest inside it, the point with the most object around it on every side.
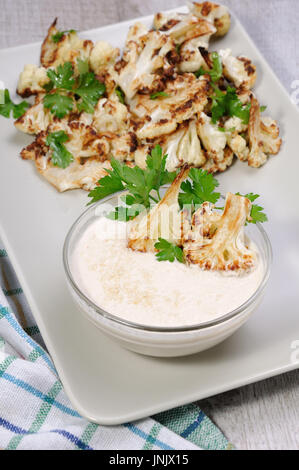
(138, 288)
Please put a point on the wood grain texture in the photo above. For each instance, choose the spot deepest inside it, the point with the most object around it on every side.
(264, 415)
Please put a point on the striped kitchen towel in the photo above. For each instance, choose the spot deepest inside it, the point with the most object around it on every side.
(35, 412)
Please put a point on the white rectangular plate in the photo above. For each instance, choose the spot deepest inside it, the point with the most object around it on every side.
(105, 383)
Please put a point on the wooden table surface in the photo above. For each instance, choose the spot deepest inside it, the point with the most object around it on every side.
(264, 415)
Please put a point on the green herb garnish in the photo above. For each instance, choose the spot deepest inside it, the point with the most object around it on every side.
(256, 213)
(168, 251)
(86, 88)
(215, 72)
(58, 104)
(228, 104)
(120, 94)
(89, 90)
(58, 36)
(201, 188)
(8, 107)
(61, 156)
(143, 185)
(159, 94)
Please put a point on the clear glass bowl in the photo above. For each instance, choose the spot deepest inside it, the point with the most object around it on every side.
(162, 341)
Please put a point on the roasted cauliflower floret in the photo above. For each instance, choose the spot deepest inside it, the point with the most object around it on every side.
(239, 146)
(36, 119)
(218, 15)
(218, 167)
(270, 135)
(135, 32)
(221, 245)
(123, 147)
(154, 51)
(163, 221)
(238, 70)
(183, 147)
(68, 49)
(185, 96)
(84, 141)
(81, 173)
(32, 80)
(190, 33)
(213, 140)
(182, 28)
(102, 56)
(110, 115)
(263, 139)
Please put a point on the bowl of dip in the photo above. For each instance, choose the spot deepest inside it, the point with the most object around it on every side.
(156, 308)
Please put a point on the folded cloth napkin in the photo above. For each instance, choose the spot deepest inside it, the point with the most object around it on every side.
(35, 412)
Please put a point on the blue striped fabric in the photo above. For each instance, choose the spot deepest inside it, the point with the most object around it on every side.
(35, 412)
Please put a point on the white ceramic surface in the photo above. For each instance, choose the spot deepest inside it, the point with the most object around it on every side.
(106, 383)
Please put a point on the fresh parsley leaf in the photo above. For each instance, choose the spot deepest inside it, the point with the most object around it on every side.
(110, 184)
(216, 70)
(159, 94)
(228, 104)
(62, 77)
(120, 94)
(143, 185)
(59, 104)
(201, 188)
(89, 90)
(58, 36)
(156, 163)
(83, 66)
(256, 213)
(263, 108)
(9, 107)
(60, 155)
(168, 251)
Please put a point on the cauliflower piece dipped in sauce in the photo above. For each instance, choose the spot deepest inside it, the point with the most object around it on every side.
(217, 242)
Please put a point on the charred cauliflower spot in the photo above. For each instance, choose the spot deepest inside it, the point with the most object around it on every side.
(68, 49)
(102, 56)
(36, 119)
(263, 136)
(185, 96)
(141, 61)
(183, 147)
(238, 70)
(219, 243)
(213, 140)
(110, 115)
(218, 167)
(32, 81)
(190, 33)
(218, 15)
(163, 221)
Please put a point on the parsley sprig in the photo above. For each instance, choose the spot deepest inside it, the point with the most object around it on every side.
(8, 107)
(60, 155)
(63, 87)
(143, 185)
(201, 188)
(227, 103)
(168, 251)
(256, 214)
(215, 72)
